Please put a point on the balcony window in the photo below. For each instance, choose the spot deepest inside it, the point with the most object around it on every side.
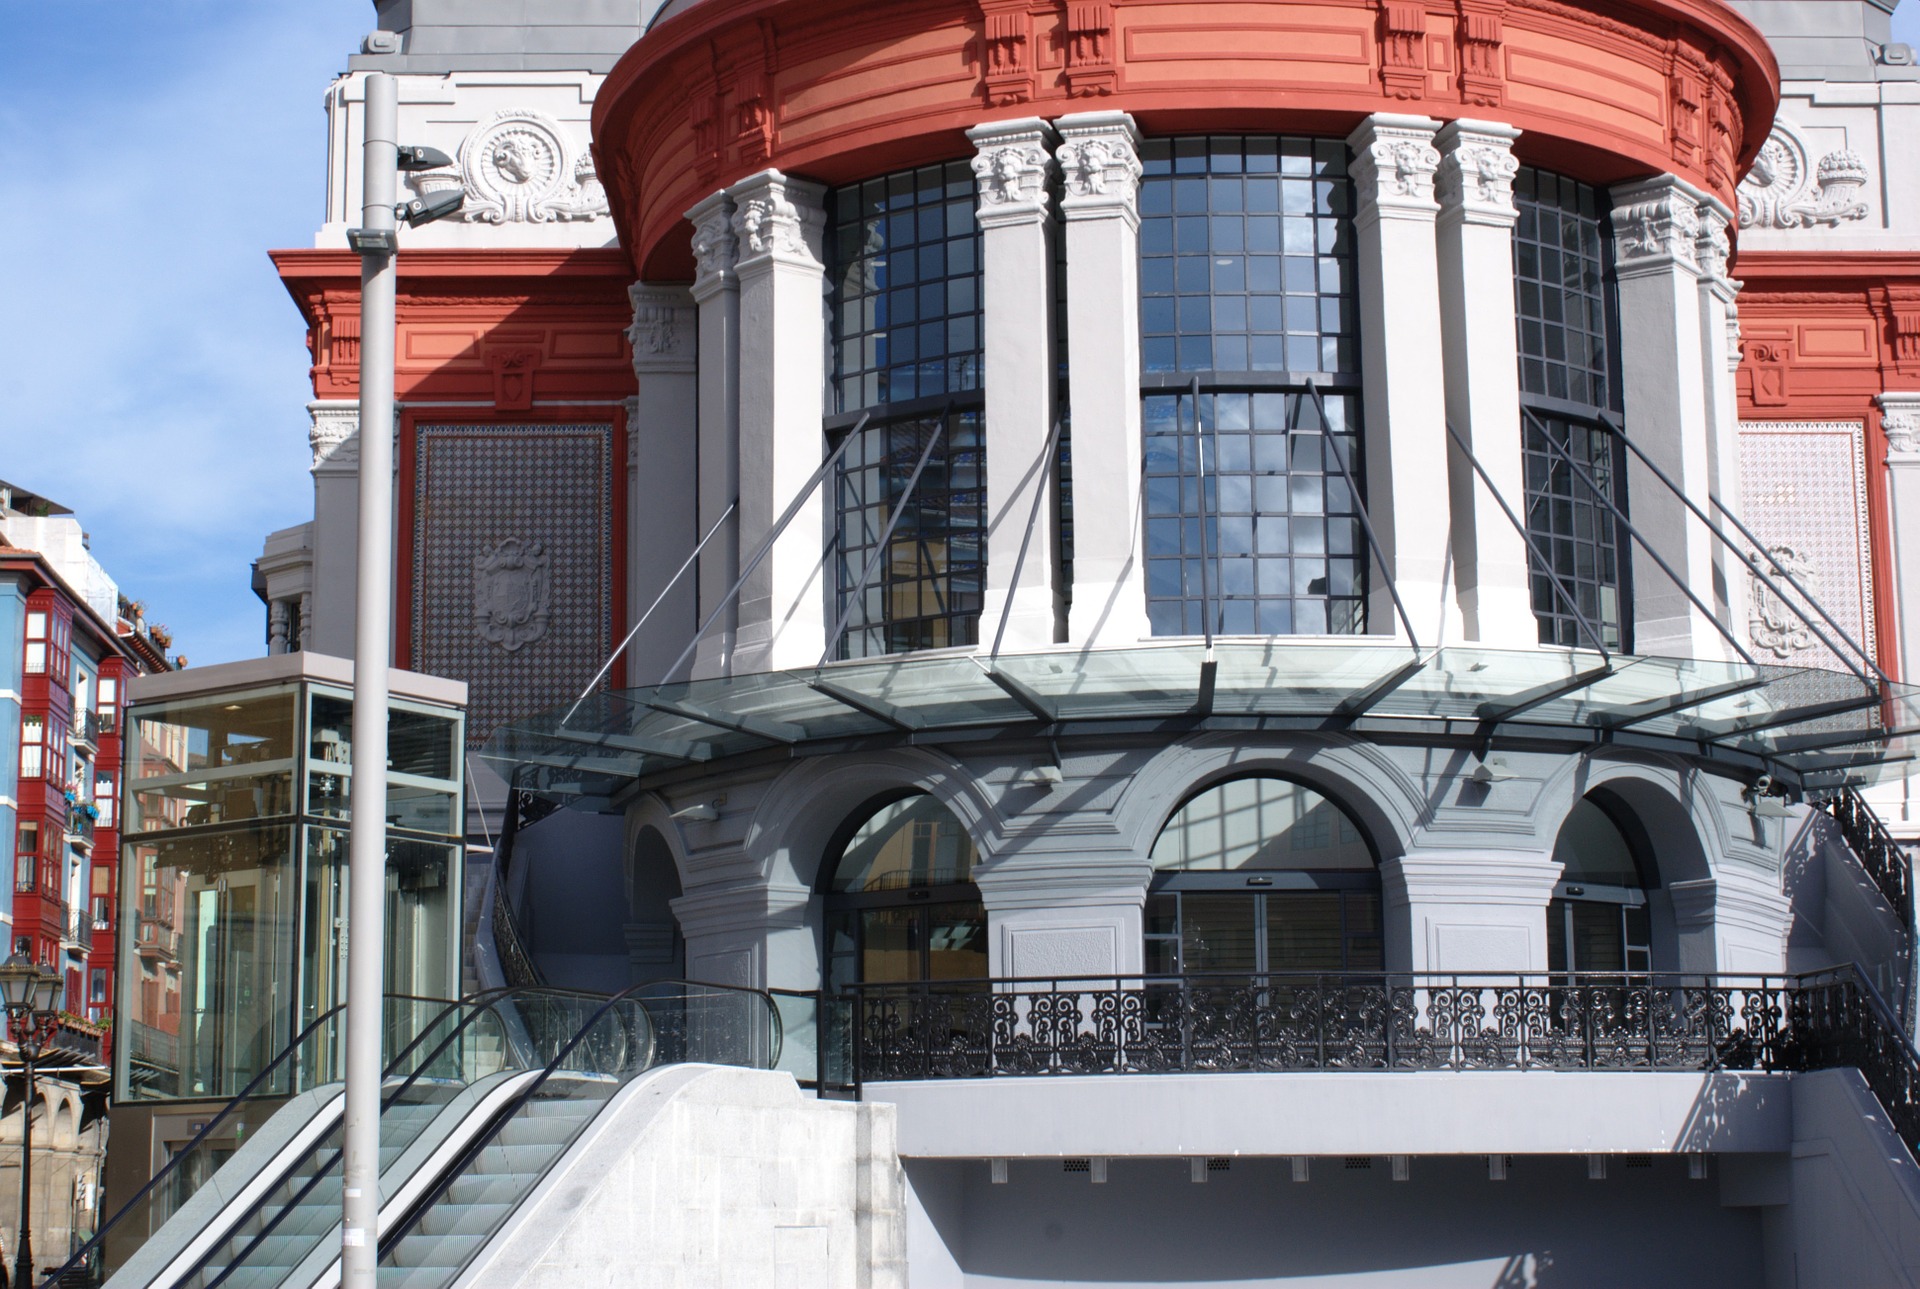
(1247, 288)
(901, 903)
(1260, 875)
(36, 656)
(1567, 311)
(33, 736)
(904, 267)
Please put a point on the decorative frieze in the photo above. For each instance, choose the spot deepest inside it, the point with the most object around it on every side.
(1008, 29)
(1013, 167)
(1784, 191)
(1403, 48)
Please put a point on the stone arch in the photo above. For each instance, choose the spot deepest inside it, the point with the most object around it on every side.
(63, 1121)
(655, 950)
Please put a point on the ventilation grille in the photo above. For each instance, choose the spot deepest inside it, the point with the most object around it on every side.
(1357, 1161)
(1076, 1166)
(1639, 1161)
(1219, 1165)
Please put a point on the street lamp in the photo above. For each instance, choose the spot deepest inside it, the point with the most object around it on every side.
(383, 158)
(28, 994)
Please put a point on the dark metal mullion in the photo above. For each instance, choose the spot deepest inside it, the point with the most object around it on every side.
(1586, 478)
(1200, 473)
(1533, 547)
(1360, 508)
(773, 731)
(1494, 713)
(885, 713)
(886, 535)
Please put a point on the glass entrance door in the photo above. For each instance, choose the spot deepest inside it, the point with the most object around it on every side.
(925, 942)
(1609, 933)
(1190, 932)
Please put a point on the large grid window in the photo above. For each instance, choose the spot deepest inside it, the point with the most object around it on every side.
(1276, 548)
(1567, 313)
(905, 273)
(1247, 287)
(905, 255)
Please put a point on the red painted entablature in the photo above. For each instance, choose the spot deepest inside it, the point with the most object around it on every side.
(506, 326)
(838, 90)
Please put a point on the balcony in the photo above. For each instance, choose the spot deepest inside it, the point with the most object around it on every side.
(80, 823)
(86, 729)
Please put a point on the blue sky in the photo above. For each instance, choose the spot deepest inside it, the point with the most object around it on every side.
(154, 377)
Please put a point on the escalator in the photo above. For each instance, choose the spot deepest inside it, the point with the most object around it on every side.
(476, 1109)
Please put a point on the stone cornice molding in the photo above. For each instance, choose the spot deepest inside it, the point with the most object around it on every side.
(778, 219)
(1099, 158)
(334, 436)
(1013, 166)
(1477, 168)
(752, 908)
(716, 252)
(663, 330)
(1657, 227)
(1524, 878)
(1731, 898)
(1900, 422)
(1394, 166)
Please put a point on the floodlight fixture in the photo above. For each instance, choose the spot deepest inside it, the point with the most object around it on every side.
(378, 241)
(413, 156)
(424, 210)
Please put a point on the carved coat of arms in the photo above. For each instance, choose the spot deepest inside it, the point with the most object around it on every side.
(513, 593)
(1774, 625)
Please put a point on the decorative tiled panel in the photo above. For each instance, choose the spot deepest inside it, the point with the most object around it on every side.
(512, 560)
(1803, 492)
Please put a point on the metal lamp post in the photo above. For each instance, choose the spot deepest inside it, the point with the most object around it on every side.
(28, 994)
(383, 158)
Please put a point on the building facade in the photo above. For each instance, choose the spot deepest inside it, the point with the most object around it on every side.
(1304, 599)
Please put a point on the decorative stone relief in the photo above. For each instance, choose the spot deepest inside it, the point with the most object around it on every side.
(1100, 165)
(662, 331)
(517, 167)
(512, 592)
(716, 251)
(1476, 177)
(770, 223)
(1900, 422)
(1784, 191)
(1772, 625)
(1660, 225)
(777, 216)
(1090, 69)
(1394, 166)
(1011, 174)
(332, 435)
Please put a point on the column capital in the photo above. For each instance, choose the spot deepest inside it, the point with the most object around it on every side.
(1477, 168)
(1013, 165)
(662, 334)
(1099, 157)
(1394, 164)
(1656, 225)
(778, 219)
(1713, 248)
(333, 436)
(1900, 421)
(716, 252)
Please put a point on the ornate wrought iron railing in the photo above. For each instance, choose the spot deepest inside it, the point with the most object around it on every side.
(1885, 860)
(1385, 1022)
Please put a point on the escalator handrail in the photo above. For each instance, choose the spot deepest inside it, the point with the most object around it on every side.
(414, 1215)
(98, 1239)
(481, 1004)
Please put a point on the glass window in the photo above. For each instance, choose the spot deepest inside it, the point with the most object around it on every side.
(36, 658)
(1247, 286)
(913, 842)
(925, 590)
(1272, 545)
(904, 266)
(1260, 823)
(1597, 920)
(1566, 309)
(881, 924)
(211, 761)
(33, 735)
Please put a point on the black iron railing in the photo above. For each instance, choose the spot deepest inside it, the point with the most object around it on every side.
(1384, 1022)
(1885, 860)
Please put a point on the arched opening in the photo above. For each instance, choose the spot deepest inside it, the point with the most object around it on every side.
(901, 904)
(1598, 919)
(654, 946)
(1262, 874)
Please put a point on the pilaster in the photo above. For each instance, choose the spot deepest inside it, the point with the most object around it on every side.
(663, 473)
(778, 223)
(1014, 169)
(1900, 421)
(1734, 922)
(1099, 157)
(1402, 364)
(1077, 917)
(716, 296)
(1720, 362)
(1657, 228)
(1451, 911)
(756, 935)
(1477, 215)
(334, 437)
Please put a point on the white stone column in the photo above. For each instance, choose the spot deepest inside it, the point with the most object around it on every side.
(1405, 439)
(778, 222)
(716, 294)
(1900, 420)
(663, 475)
(1656, 233)
(1019, 374)
(1720, 360)
(1099, 158)
(334, 437)
(1467, 911)
(1477, 215)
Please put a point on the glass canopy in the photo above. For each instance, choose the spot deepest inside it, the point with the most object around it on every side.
(1808, 727)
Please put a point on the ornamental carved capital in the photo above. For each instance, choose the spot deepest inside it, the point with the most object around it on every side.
(334, 435)
(779, 217)
(1656, 227)
(662, 334)
(1477, 169)
(1013, 167)
(1394, 167)
(716, 253)
(1099, 158)
(1900, 422)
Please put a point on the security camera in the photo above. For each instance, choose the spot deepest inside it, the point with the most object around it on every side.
(424, 210)
(412, 156)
